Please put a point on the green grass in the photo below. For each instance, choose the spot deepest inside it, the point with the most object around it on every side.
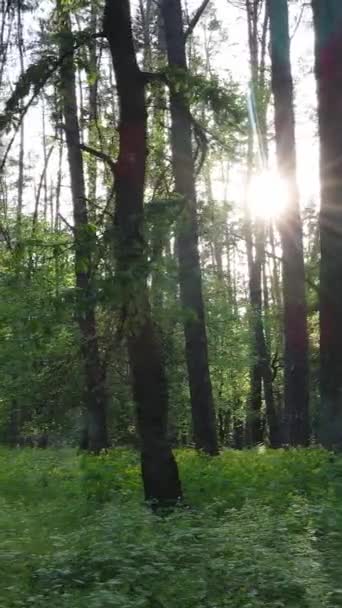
(262, 529)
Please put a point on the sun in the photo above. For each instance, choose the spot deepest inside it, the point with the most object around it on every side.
(267, 195)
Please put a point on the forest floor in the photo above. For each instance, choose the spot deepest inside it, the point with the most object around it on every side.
(262, 529)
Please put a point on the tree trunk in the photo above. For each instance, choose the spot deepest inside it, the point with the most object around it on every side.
(290, 227)
(255, 424)
(22, 128)
(328, 49)
(45, 157)
(261, 374)
(92, 113)
(203, 413)
(159, 468)
(95, 397)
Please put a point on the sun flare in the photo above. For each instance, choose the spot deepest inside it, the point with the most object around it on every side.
(267, 195)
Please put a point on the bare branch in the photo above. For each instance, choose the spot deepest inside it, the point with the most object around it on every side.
(101, 155)
(196, 17)
(299, 20)
(65, 221)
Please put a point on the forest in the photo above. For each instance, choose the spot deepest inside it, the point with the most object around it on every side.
(170, 303)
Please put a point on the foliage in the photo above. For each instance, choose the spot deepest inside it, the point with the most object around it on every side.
(262, 529)
(36, 76)
(40, 379)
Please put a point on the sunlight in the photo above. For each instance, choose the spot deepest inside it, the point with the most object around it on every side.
(267, 195)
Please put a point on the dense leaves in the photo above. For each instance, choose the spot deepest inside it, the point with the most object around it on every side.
(261, 529)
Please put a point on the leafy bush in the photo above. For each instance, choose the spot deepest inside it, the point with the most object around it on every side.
(260, 530)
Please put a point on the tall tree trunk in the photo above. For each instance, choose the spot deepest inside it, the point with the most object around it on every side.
(95, 397)
(146, 14)
(255, 426)
(5, 34)
(276, 288)
(22, 128)
(92, 112)
(295, 312)
(159, 468)
(203, 413)
(328, 32)
(59, 138)
(58, 186)
(45, 155)
(261, 374)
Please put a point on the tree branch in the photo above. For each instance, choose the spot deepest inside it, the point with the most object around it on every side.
(50, 71)
(196, 17)
(101, 155)
(71, 228)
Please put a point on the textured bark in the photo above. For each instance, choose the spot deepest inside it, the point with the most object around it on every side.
(295, 312)
(95, 397)
(328, 33)
(203, 413)
(159, 468)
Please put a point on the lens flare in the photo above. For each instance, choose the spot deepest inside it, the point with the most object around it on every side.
(267, 195)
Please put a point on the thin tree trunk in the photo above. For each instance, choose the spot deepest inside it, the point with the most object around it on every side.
(51, 205)
(328, 50)
(261, 373)
(5, 35)
(277, 296)
(254, 427)
(41, 186)
(295, 311)
(146, 13)
(216, 240)
(59, 138)
(22, 128)
(159, 468)
(203, 412)
(93, 110)
(45, 153)
(59, 183)
(94, 374)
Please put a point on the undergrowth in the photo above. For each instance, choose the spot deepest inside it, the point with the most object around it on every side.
(260, 529)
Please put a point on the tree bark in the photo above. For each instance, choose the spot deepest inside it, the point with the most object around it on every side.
(203, 412)
(290, 227)
(159, 468)
(328, 51)
(95, 396)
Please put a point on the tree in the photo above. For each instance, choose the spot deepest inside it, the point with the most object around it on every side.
(261, 373)
(159, 468)
(94, 373)
(290, 227)
(328, 51)
(203, 413)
